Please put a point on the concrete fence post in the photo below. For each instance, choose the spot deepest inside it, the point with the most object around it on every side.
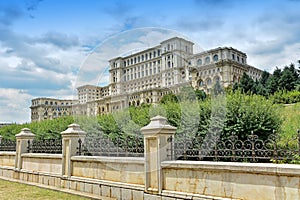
(156, 146)
(70, 139)
(21, 145)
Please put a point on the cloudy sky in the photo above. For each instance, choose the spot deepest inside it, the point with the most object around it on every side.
(47, 47)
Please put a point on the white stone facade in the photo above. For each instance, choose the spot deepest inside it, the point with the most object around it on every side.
(145, 76)
(50, 108)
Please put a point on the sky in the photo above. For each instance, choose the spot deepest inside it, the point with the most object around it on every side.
(49, 47)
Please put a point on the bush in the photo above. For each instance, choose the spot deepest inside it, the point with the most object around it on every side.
(247, 113)
(285, 97)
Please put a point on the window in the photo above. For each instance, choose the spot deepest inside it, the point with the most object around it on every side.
(233, 57)
(216, 58)
(238, 58)
(208, 81)
(201, 83)
(207, 60)
(199, 62)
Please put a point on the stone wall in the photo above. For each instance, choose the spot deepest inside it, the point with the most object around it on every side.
(124, 170)
(257, 181)
(7, 158)
(38, 162)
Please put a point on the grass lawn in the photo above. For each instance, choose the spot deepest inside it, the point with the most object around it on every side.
(291, 122)
(17, 191)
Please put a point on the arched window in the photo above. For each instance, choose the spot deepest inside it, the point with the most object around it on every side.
(238, 58)
(46, 102)
(207, 60)
(199, 62)
(201, 83)
(208, 81)
(216, 58)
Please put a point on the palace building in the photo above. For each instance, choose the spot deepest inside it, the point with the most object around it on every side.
(145, 76)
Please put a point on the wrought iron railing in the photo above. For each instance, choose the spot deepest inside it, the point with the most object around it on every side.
(252, 149)
(7, 145)
(52, 146)
(132, 146)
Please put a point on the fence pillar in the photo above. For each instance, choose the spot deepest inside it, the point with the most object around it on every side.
(21, 145)
(70, 139)
(156, 135)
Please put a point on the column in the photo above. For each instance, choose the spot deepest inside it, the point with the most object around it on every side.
(156, 135)
(21, 146)
(70, 139)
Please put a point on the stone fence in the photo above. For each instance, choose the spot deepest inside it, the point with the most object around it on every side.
(150, 177)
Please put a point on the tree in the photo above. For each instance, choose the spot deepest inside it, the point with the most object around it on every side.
(246, 83)
(288, 78)
(273, 81)
(169, 98)
(200, 94)
(264, 78)
(186, 93)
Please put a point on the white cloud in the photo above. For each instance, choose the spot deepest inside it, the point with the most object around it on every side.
(14, 105)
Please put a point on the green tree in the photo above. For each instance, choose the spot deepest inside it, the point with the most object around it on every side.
(167, 98)
(200, 94)
(246, 83)
(273, 81)
(264, 78)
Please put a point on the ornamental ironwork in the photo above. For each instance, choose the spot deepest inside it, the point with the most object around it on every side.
(52, 146)
(233, 149)
(7, 145)
(131, 146)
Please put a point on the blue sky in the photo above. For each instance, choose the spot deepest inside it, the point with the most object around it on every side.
(46, 45)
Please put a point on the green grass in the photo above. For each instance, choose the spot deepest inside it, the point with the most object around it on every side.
(291, 122)
(17, 191)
